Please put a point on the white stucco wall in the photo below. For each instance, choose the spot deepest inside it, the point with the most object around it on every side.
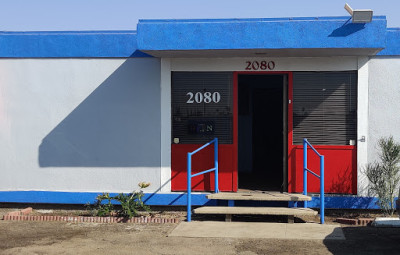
(384, 102)
(361, 64)
(362, 124)
(79, 125)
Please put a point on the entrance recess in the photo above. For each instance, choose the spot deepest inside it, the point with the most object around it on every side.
(262, 131)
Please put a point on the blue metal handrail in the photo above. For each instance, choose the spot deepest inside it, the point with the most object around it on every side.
(190, 175)
(321, 177)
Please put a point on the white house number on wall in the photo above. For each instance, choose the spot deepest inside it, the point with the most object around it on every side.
(206, 97)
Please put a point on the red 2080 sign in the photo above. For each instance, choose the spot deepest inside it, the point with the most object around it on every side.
(260, 65)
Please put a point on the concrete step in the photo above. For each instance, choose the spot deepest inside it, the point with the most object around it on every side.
(229, 211)
(255, 210)
(259, 196)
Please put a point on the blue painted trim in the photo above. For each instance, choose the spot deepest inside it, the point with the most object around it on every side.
(205, 34)
(392, 43)
(54, 197)
(230, 34)
(71, 44)
(331, 18)
(344, 202)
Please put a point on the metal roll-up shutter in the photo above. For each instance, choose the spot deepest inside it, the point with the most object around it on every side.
(202, 107)
(325, 107)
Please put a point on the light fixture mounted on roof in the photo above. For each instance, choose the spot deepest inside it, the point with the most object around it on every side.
(360, 15)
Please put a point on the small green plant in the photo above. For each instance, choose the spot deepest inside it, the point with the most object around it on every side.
(131, 204)
(103, 209)
(384, 176)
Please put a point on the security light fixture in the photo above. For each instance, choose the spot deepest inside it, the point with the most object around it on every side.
(360, 15)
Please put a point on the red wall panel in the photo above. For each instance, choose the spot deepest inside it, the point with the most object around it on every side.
(203, 160)
(340, 169)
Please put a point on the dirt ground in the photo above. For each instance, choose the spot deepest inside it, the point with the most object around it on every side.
(90, 238)
(127, 238)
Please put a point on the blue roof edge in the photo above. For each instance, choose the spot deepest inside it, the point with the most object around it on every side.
(322, 18)
(392, 43)
(129, 43)
(279, 33)
(69, 44)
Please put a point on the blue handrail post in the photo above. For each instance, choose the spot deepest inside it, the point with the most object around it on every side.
(216, 164)
(320, 177)
(305, 170)
(189, 183)
(322, 180)
(190, 175)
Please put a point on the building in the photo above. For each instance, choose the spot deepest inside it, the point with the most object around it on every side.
(88, 112)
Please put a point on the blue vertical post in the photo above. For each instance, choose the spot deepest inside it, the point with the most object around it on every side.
(216, 164)
(322, 180)
(304, 170)
(189, 190)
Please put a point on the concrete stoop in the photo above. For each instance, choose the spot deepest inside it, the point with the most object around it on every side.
(303, 231)
(228, 211)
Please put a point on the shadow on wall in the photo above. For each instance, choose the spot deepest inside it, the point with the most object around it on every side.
(343, 182)
(117, 125)
(347, 29)
(335, 201)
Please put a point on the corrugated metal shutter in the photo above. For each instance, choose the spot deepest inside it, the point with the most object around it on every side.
(325, 107)
(198, 121)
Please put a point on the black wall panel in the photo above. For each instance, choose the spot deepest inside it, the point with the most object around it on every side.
(325, 107)
(202, 107)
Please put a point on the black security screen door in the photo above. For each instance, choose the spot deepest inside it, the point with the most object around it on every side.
(262, 131)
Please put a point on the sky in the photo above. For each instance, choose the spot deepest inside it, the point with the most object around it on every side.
(77, 15)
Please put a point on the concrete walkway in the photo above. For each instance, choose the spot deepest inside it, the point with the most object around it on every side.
(307, 231)
(387, 222)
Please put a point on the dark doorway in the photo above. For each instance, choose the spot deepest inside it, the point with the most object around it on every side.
(262, 132)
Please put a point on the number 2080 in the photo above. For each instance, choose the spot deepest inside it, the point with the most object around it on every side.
(206, 97)
(260, 65)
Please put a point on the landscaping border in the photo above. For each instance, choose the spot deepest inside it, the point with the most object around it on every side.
(358, 222)
(90, 219)
(23, 215)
